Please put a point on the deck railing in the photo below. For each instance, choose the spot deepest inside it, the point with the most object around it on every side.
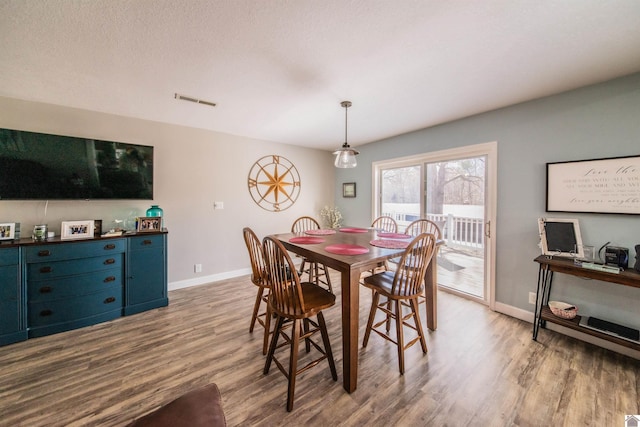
(459, 231)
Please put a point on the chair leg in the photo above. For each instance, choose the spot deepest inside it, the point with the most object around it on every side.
(326, 276)
(293, 363)
(274, 343)
(256, 308)
(316, 270)
(416, 315)
(307, 341)
(302, 264)
(327, 346)
(267, 330)
(372, 315)
(388, 317)
(400, 335)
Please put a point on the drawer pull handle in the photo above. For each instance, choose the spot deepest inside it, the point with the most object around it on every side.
(110, 261)
(46, 269)
(147, 242)
(109, 246)
(46, 290)
(110, 279)
(45, 252)
(44, 313)
(110, 300)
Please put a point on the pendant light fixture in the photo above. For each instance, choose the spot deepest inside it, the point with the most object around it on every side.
(345, 156)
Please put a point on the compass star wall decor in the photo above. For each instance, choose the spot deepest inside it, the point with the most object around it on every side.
(274, 183)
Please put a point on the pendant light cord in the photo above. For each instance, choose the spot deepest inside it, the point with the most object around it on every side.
(346, 109)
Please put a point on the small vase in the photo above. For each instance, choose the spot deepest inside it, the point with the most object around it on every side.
(154, 210)
(40, 232)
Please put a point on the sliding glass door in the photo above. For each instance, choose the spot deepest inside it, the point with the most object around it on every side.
(451, 189)
(454, 199)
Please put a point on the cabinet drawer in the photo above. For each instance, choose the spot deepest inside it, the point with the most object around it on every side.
(146, 242)
(67, 310)
(55, 252)
(65, 287)
(47, 270)
(9, 256)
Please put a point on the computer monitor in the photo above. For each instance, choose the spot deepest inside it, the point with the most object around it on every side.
(560, 237)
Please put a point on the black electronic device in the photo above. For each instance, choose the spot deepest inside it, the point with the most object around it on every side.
(38, 166)
(610, 328)
(637, 266)
(616, 256)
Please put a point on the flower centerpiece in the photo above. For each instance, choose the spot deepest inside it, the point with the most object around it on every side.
(331, 217)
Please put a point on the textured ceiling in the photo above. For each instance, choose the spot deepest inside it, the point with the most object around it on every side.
(278, 69)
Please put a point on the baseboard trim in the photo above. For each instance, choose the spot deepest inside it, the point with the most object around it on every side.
(203, 280)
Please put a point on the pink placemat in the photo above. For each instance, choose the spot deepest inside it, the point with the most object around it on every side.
(353, 230)
(346, 249)
(306, 240)
(389, 244)
(394, 235)
(321, 232)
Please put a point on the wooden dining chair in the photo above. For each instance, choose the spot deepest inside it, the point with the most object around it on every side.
(295, 303)
(260, 279)
(389, 225)
(385, 223)
(424, 226)
(405, 284)
(301, 225)
(417, 227)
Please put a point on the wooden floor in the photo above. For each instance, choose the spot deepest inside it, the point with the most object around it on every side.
(482, 369)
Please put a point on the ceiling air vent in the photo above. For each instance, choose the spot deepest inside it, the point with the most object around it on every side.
(196, 100)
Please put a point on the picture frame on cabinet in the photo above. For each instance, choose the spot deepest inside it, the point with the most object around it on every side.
(8, 231)
(97, 227)
(77, 229)
(149, 223)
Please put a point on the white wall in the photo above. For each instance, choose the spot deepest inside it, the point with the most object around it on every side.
(193, 168)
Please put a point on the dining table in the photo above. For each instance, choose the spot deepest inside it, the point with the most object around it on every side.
(353, 251)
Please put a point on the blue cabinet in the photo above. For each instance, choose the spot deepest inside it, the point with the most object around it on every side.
(74, 284)
(146, 273)
(13, 325)
(54, 286)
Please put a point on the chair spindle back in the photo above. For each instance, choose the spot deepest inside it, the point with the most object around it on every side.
(385, 223)
(286, 293)
(305, 223)
(409, 277)
(420, 226)
(256, 255)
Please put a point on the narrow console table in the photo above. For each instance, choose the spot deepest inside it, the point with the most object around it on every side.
(57, 285)
(549, 266)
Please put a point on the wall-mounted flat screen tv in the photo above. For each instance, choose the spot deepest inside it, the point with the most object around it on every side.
(38, 166)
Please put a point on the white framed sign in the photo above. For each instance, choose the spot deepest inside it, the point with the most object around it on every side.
(595, 186)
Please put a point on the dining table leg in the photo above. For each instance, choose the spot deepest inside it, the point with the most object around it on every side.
(431, 292)
(350, 285)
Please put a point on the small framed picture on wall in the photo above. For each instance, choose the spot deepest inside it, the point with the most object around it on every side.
(349, 189)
